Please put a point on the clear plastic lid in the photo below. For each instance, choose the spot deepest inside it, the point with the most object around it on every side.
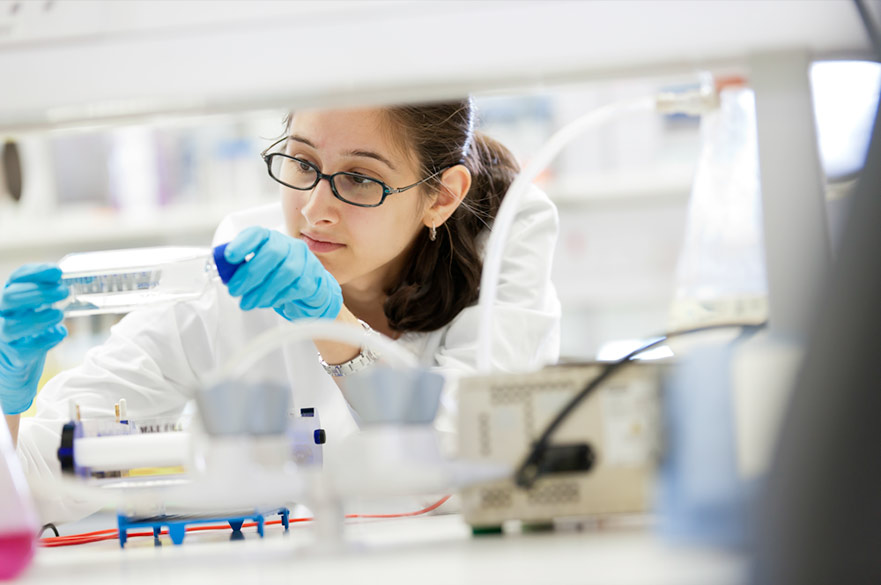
(127, 260)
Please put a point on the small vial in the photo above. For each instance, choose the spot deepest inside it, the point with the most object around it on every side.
(118, 281)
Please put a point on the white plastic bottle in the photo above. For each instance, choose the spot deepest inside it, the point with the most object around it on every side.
(19, 526)
(117, 281)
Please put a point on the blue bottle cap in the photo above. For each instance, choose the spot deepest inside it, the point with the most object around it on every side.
(224, 268)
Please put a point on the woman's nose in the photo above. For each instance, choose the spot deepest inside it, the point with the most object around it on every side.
(321, 204)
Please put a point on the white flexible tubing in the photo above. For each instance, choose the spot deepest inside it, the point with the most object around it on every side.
(312, 329)
(498, 236)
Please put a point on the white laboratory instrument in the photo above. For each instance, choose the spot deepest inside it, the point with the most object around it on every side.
(245, 453)
(102, 448)
(601, 461)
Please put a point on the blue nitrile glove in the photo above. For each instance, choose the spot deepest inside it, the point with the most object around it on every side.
(283, 274)
(29, 328)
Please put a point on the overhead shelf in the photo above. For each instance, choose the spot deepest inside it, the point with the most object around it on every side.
(85, 61)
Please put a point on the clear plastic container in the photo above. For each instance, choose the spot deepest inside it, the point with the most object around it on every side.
(721, 270)
(19, 526)
(118, 281)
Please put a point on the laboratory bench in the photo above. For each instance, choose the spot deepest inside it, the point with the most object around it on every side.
(425, 549)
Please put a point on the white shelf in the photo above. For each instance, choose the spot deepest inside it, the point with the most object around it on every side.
(76, 229)
(435, 549)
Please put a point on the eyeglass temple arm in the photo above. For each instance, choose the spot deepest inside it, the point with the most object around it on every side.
(392, 191)
(271, 146)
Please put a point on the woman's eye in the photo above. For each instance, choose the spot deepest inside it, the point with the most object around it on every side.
(366, 176)
(357, 181)
(362, 181)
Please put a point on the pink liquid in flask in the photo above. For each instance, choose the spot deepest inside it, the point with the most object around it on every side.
(16, 552)
(18, 519)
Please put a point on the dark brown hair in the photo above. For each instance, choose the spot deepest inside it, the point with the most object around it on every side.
(442, 277)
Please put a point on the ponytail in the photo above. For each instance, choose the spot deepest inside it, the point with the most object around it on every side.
(442, 277)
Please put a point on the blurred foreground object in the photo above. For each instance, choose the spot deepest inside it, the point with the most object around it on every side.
(18, 520)
(820, 516)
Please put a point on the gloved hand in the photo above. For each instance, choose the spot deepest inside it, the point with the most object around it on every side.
(29, 328)
(283, 274)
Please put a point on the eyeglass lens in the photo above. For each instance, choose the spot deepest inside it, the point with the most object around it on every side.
(302, 175)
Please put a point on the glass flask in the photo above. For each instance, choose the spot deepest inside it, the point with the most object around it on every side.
(19, 526)
(117, 281)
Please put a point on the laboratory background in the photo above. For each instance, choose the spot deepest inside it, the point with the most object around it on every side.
(133, 124)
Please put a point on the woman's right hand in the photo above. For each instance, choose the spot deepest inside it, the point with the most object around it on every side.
(29, 328)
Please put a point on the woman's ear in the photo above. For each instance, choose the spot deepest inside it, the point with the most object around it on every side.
(455, 182)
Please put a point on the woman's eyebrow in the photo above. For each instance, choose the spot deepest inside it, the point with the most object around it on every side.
(305, 141)
(373, 155)
(362, 153)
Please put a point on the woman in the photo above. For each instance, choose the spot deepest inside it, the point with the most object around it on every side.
(383, 221)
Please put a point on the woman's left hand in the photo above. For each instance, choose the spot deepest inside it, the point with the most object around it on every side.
(282, 274)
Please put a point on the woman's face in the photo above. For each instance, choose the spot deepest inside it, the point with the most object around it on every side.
(364, 248)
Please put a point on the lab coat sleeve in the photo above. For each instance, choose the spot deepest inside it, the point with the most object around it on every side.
(153, 359)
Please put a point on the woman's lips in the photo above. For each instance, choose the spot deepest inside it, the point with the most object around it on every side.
(320, 246)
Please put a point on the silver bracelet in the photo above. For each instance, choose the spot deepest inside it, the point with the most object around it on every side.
(365, 358)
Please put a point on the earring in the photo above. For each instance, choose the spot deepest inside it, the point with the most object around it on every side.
(432, 233)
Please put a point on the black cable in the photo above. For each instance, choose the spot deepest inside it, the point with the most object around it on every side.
(45, 526)
(870, 27)
(530, 469)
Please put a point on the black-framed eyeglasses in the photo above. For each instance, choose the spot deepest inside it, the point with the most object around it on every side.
(351, 188)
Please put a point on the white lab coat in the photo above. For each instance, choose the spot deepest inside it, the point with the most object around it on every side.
(158, 358)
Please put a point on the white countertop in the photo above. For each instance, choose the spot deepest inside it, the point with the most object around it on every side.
(431, 549)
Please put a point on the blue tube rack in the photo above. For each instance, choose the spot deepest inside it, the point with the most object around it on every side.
(177, 525)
